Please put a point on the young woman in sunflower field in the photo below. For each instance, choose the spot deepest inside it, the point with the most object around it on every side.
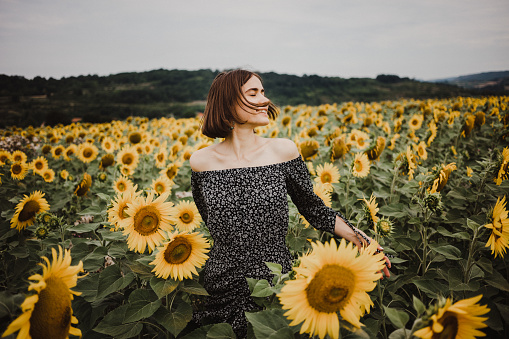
(240, 187)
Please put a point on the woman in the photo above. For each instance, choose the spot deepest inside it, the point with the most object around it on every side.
(240, 187)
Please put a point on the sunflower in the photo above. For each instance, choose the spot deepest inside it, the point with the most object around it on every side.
(19, 170)
(162, 185)
(148, 220)
(84, 186)
(27, 209)
(503, 173)
(18, 156)
(384, 227)
(70, 151)
(106, 161)
(135, 137)
(360, 165)
(57, 152)
(327, 174)
(459, 320)
(4, 156)
(48, 175)
(376, 149)
(128, 157)
(371, 209)
(309, 149)
(421, 150)
(122, 184)
(160, 158)
(48, 313)
(126, 171)
(499, 238)
(331, 279)
(415, 122)
(469, 172)
(187, 217)
(468, 125)
(117, 212)
(442, 177)
(108, 145)
(87, 152)
(410, 162)
(171, 171)
(339, 148)
(179, 257)
(432, 132)
(64, 174)
(39, 164)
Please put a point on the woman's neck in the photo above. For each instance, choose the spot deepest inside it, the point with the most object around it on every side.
(241, 143)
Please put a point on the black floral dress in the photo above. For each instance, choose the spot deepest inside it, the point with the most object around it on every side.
(246, 212)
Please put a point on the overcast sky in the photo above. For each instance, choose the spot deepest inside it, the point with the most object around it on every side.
(426, 39)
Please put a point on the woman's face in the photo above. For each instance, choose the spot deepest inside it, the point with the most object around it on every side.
(254, 93)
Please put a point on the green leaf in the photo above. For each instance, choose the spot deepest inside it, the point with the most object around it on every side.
(431, 287)
(112, 324)
(399, 334)
(459, 235)
(95, 260)
(142, 294)
(472, 224)
(393, 210)
(163, 287)
(262, 289)
(104, 197)
(141, 309)
(176, 320)
(397, 317)
(485, 264)
(268, 322)
(498, 281)
(84, 228)
(418, 305)
(107, 234)
(448, 251)
(118, 250)
(88, 287)
(111, 280)
(221, 331)
(274, 267)
(192, 287)
(141, 270)
(285, 332)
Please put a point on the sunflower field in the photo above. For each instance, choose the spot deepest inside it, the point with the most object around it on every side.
(100, 237)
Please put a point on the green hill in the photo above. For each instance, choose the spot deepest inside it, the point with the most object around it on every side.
(182, 93)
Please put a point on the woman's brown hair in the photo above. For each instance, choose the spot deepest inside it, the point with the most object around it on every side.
(224, 94)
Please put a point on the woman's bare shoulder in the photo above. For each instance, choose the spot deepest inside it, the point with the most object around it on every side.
(285, 149)
(201, 159)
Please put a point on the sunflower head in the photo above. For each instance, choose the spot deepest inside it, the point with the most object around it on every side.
(27, 209)
(360, 165)
(187, 217)
(84, 186)
(106, 161)
(19, 170)
(384, 227)
(135, 137)
(309, 149)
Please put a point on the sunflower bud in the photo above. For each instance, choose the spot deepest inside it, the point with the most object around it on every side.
(41, 232)
(433, 202)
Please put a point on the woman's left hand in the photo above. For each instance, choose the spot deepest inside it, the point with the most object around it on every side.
(380, 249)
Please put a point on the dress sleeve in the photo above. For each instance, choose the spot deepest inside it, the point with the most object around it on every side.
(310, 205)
(198, 196)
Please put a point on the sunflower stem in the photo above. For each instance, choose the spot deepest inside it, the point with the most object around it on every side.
(471, 252)
(380, 299)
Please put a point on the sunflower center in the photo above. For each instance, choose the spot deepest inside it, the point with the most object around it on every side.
(186, 217)
(160, 157)
(326, 178)
(177, 251)
(450, 324)
(87, 153)
(39, 165)
(121, 186)
(52, 314)
(159, 188)
(331, 289)
(146, 221)
(358, 166)
(385, 226)
(29, 210)
(127, 159)
(58, 151)
(16, 169)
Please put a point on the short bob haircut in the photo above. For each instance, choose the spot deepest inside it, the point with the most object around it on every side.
(224, 94)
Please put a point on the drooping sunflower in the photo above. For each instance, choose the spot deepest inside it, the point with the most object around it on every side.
(39, 164)
(442, 177)
(48, 175)
(503, 171)
(118, 211)
(327, 174)
(19, 170)
(468, 125)
(331, 279)
(27, 209)
(106, 161)
(180, 256)
(339, 148)
(187, 217)
(371, 209)
(135, 137)
(87, 152)
(122, 184)
(459, 320)
(499, 225)
(309, 149)
(432, 132)
(162, 184)
(128, 157)
(171, 170)
(376, 148)
(48, 313)
(360, 165)
(148, 220)
(84, 185)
